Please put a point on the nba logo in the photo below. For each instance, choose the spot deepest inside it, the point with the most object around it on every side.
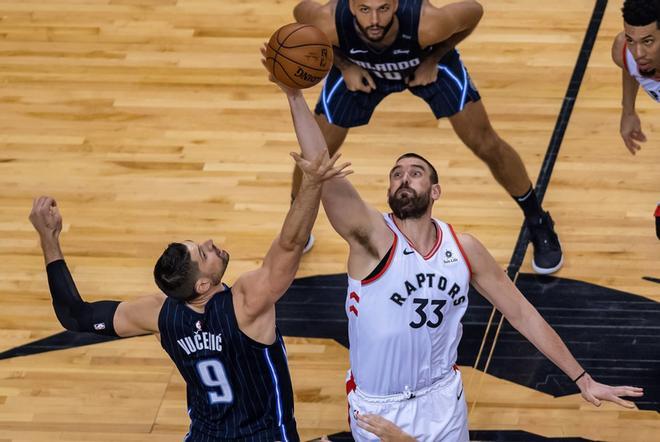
(198, 327)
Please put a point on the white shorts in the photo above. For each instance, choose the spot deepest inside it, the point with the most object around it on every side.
(432, 414)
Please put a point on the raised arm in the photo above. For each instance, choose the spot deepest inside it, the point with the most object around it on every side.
(494, 285)
(361, 225)
(631, 126)
(256, 292)
(110, 318)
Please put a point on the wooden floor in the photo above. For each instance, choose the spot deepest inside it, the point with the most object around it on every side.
(152, 121)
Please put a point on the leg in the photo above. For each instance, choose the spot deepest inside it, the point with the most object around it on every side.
(334, 138)
(453, 95)
(473, 127)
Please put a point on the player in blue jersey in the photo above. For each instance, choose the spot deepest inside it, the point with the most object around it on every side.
(387, 46)
(223, 340)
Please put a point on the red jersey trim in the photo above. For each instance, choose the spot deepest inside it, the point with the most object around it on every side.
(387, 264)
(625, 59)
(436, 246)
(350, 385)
(460, 247)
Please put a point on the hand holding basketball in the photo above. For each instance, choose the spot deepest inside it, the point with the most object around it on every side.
(298, 55)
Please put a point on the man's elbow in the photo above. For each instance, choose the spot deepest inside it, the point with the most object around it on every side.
(478, 11)
(299, 11)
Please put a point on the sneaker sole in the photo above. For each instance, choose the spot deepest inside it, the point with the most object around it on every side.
(547, 271)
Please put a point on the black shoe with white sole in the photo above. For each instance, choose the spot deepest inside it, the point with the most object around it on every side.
(548, 257)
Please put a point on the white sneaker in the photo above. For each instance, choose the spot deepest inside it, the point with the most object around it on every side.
(309, 244)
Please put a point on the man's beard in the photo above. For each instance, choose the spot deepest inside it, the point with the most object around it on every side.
(385, 29)
(413, 207)
(650, 73)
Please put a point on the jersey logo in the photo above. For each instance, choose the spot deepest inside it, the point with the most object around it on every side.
(408, 252)
(449, 258)
(401, 51)
(357, 51)
(406, 37)
(99, 326)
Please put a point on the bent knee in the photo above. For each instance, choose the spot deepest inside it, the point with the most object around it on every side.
(486, 144)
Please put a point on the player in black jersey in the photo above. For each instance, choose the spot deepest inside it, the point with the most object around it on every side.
(223, 340)
(387, 46)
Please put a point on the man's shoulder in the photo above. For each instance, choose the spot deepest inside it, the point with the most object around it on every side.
(618, 47)
(320, 15)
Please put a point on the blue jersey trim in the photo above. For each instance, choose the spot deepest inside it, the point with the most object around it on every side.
(461, 85)
(326, 100)
(277, 394)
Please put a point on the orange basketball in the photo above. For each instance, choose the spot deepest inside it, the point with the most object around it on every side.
(299, 55)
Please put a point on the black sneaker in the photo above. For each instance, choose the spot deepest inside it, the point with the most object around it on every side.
(548, 257)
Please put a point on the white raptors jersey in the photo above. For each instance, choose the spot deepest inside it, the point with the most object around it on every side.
(651, 86)
(404, 323)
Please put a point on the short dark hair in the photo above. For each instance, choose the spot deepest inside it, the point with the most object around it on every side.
(641, 12)
(175, 272)
(434, 173)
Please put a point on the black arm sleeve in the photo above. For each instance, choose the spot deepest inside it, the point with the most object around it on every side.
(73, 313)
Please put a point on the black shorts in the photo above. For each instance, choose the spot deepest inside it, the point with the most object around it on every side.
(446, 96)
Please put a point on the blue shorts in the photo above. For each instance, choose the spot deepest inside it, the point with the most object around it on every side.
(446, 96)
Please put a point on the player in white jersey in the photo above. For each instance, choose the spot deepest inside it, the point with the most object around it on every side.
(637, 52)
(408, 284)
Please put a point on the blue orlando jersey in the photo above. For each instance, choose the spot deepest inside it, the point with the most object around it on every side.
(237, 389)
(395, 62)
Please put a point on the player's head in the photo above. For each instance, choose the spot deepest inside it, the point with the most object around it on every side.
(188, 269)
(642, 27)
(374, 17)
(413, 187)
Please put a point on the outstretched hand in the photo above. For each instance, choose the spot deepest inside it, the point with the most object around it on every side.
(595, 392)
(631, 132)
(321, 168)
(45, 217)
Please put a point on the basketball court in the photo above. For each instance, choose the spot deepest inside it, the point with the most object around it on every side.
(152, 121)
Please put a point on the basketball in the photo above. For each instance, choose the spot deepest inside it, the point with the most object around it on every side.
(299, 55)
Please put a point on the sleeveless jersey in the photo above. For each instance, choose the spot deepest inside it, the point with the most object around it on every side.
(405, 322)
(397, 61)
(236, 388)
(651, 86)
